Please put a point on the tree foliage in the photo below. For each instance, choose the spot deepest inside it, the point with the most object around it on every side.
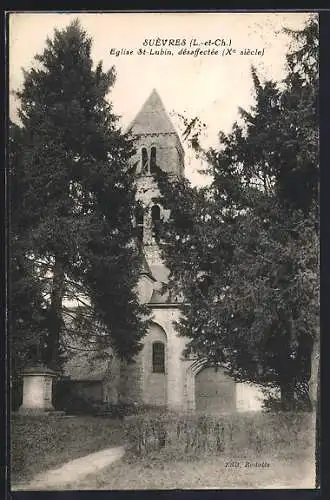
(27, 315)
(73, 199)
(244, 249)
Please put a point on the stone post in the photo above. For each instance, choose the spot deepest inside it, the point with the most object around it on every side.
(37, 390)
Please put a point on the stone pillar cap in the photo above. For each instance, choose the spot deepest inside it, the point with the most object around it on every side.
(38, 369)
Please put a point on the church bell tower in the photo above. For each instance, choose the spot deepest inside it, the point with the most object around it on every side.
(157, 144)
(157, 376)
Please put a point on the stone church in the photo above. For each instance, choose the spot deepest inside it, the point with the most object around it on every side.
(160, 376)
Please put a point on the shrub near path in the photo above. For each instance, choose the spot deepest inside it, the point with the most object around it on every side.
(174, 436)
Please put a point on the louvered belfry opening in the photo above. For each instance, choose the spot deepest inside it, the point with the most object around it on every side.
(145, 161)
(155, 217)
(139, 222)
(153, 160)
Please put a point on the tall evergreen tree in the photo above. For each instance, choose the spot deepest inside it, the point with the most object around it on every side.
(78, 192)
(244, 250)
(27, 315)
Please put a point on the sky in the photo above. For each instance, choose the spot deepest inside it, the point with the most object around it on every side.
(212, 87)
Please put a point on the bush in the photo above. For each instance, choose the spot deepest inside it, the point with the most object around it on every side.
(66, 398)
(175, 436)
(126, 410)
(301, 403)
(75, 404)
(119, 410)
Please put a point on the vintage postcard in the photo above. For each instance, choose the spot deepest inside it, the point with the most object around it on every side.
(164, 250)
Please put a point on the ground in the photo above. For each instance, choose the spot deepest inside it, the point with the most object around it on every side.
(202, 474)
(50, 442)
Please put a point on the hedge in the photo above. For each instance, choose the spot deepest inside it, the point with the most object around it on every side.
(176, 436)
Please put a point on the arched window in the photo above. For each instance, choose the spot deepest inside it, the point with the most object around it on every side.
(158, 357)
(153, 160)
(155, 217)
(139, 222)
(145, 161)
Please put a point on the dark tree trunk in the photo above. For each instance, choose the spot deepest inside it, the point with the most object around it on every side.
(287, 388)
(286, 366)
(303, 371)
(55, 317)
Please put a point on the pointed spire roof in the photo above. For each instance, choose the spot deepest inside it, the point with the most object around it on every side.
(152, 118)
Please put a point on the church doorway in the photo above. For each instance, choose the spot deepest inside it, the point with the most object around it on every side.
(214, 391)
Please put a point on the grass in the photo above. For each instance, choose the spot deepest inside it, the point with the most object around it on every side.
(296, 471)
(41, 443)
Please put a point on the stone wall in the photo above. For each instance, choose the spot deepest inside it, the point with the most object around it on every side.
(165, 316)
(214, 390)
(154, 384)
(130, 388)
(249, 397)
(90, 390)
(139, 384)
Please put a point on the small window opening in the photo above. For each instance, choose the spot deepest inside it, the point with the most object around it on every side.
(139, 221)
(158, 357)
(155, 217)
(153, 160)
(145, 161)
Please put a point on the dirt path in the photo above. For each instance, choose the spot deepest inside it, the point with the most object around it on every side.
(72, 471)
